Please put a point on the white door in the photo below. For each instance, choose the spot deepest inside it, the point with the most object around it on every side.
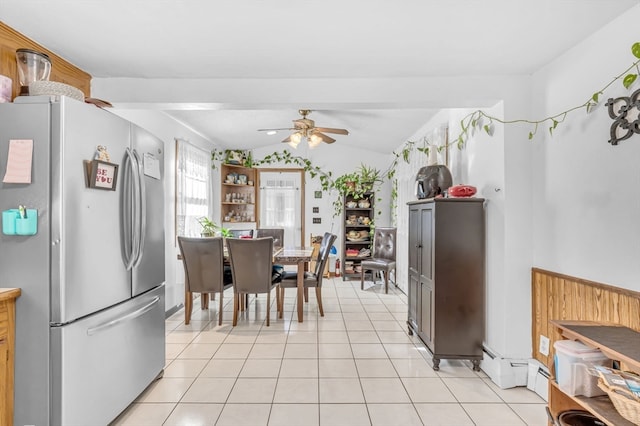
(281, 195)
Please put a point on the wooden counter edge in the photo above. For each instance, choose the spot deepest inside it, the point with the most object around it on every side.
(9, 293)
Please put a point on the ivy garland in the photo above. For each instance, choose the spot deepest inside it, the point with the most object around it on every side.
(475, 120)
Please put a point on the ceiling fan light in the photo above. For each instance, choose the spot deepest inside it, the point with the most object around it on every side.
(314, 141)
(294, 140)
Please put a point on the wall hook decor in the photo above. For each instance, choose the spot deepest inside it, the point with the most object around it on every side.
(625, 112)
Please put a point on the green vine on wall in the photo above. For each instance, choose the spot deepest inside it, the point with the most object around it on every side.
(354, 184)
(476, 119)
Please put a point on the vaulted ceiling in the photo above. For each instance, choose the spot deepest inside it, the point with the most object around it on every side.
(300, 50)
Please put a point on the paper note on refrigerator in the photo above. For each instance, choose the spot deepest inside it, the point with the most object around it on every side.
(19, 161)
(151, 165)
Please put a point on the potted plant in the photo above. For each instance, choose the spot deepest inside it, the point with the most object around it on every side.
(211, 229)
(355, 185)
(369, 177)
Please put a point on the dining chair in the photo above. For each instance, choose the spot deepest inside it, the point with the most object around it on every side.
(204, 272)
(311, 279)
(317, 242)
(241, 233)
(383, 258)
(251, 267)
(276, 233)
(278, 242)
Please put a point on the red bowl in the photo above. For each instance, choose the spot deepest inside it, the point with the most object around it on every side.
(462, 191)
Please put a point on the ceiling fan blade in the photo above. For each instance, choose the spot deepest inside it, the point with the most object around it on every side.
(269, 130)
(324, 137)
(305, 127)
(330, 130)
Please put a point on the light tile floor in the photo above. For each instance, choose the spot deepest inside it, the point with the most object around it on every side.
(355, 366)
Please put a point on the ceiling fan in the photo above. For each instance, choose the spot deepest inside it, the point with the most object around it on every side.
(306, 128)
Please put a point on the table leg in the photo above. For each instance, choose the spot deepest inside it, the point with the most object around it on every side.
(300, 289)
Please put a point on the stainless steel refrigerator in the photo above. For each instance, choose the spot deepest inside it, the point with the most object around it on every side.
(90, 333)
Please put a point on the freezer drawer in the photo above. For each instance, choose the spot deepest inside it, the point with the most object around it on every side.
(101, 363)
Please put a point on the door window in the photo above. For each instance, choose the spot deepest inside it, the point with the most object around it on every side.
(281, 195)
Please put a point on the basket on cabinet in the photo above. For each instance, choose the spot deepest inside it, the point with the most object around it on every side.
(624, 401)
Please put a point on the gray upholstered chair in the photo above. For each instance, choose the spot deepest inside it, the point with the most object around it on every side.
(384, 256)
(241, 233)
(204, 272)
(251, 268)
(276, 233)
(311, 279)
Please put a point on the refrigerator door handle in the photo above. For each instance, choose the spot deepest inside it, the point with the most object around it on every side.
(126, 211)
(126, 317)
(142, 203)
(133, 215)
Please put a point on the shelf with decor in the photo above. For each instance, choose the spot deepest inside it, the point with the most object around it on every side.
(617, 343)
(358, 233)
(238, 195)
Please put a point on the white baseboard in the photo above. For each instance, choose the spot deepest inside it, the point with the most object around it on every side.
(509, 373)
(504, 372)
(538, 379)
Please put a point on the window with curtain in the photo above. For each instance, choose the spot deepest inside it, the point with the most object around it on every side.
(193, 187)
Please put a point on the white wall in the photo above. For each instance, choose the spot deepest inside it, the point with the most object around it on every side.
(168, 130)
(406, 174)
(586, 191)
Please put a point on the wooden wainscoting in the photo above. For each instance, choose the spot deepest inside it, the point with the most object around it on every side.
(562, 297)
(61, 70)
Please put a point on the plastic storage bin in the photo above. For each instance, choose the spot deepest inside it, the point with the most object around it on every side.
(573, 359)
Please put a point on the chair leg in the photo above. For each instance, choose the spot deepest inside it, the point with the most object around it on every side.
(279, 300)
(319, 297)
(281, 297)
(268, 306)
(306, 295)
(236, 307)
(188, 306)
(220, 308)
(386, 283)
(361, 278)
(204, 301)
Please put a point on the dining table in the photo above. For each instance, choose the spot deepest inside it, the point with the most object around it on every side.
(299, 256)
